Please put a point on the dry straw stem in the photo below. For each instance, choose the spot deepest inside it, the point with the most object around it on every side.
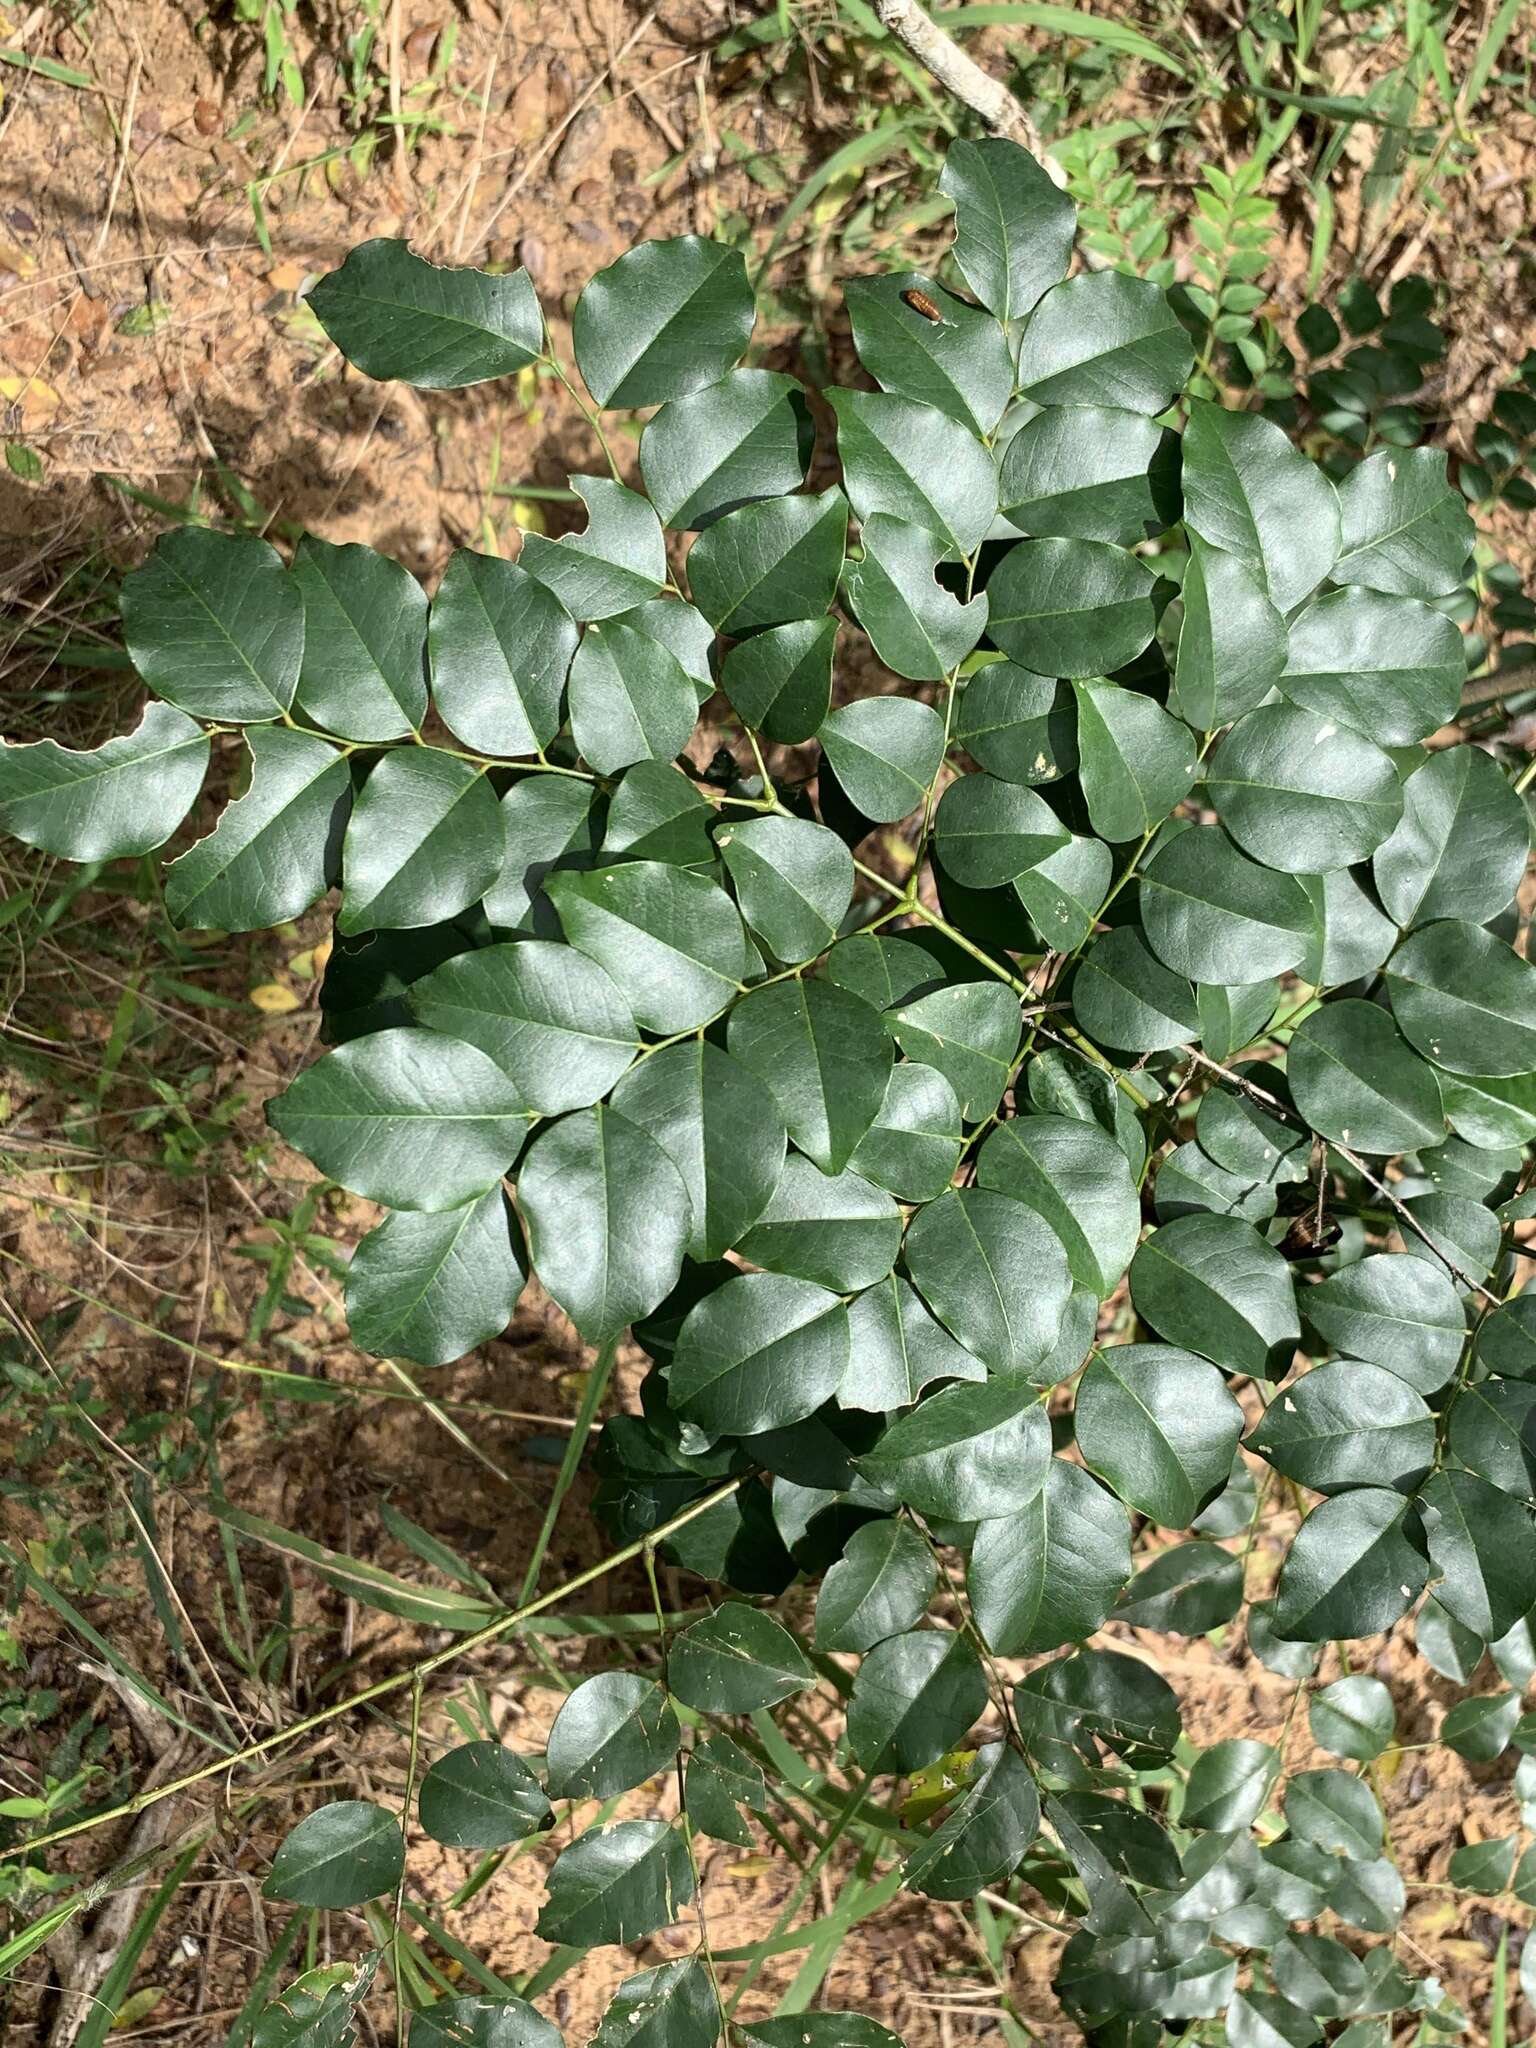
(964, 77)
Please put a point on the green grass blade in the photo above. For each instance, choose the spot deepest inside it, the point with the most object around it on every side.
(1062, 21)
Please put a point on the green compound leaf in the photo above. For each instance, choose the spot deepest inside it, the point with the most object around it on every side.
(982, 1838)
(1405, 530)
(1135, 761)
(394, 314)
(994, 1273)
(1356, 1081)
(1348, 1424)
(1186, 1590)
(897, 1349)
(914, 1696)
(880, 1587)
(883, 969)
(1479, 1729)
(1229, 1784)
(916, 626)
(1250, 493)
(1212, 915)
(608, 1218)
(500, 644)
(1013, 227)
(1160, 1426)
(835, 1229)
(479, 2023)
(736, 1661)
(671, 2006)
(1488, 1867)
(126, 796)
(793, 881)
(550, 1018)
(214, 623)
(1302, 794)
(823, 1055)
(1232, 640)
(747, 437)
(550, 821)
(759, 1353)
(1017, 725)
(617, 1886)
(406, 1118)
(275, 850)
(1356, 1566)
(766, 564)
(1105, 339)
(481, 1795)
(819, 2030)
(1210, 1284)
(341, 1855)
(1050, 1573)
(1404, 1316)
(670, 940)
(618, 562)
(1099, 1693)
(1352, 936)
(1070, 607)
(1506, 1340)
(1063, 895)
(1465, 999)
(433, 1288)
(684, 631)
(1125, 997)
(1354, 1717)
(1079, 1180)
(613, 1732)
(989, 832)
(631, 699)
(964, 1450)
(1461, 847)
(365, 625)
(424, 841)
(721, 1129)
(780, 682)
(1387, 666)
(1233, 1018)
(666, 318)
(722, 1781)
(1091, 472)
(1483, 1549)
(969, 1032)
(958, 363)
(885, 751)
(914, 463)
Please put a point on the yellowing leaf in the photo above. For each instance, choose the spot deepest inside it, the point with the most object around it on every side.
(274, 999)
(136, 2007)
(935, 1786)
(750, 1866)
(38, 401)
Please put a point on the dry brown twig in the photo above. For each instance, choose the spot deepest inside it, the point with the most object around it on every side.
(938, 52)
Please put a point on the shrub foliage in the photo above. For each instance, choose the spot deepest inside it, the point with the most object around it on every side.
(1177, 954)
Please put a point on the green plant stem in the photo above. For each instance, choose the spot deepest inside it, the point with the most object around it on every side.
(591, 1400)
(586, 411)
(396, 1938)
(382, 1688)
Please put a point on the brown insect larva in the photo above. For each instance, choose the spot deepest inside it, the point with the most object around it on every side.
(921, 303)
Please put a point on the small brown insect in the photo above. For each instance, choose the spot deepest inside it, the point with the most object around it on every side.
(920, 302)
